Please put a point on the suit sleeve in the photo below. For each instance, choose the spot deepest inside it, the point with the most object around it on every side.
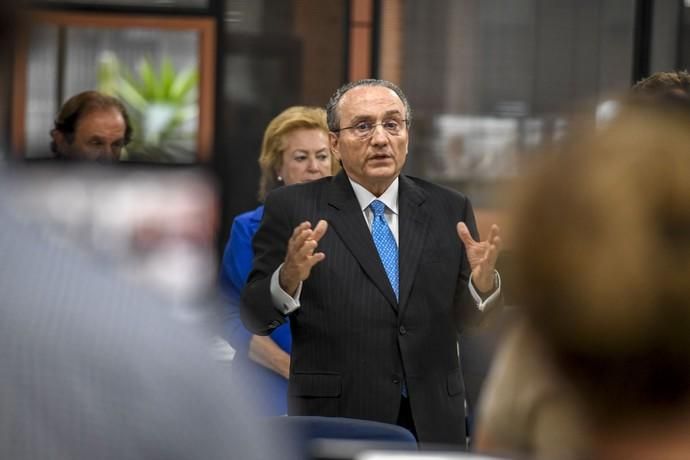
(258, 313)
(236, 264)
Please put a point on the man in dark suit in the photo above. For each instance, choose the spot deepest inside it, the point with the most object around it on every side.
(376, 311)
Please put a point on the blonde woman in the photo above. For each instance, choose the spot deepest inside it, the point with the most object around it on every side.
(295, 149)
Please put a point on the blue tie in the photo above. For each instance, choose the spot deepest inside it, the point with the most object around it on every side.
(385, 244)
(388, 252)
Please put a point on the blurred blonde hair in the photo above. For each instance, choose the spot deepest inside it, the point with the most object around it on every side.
(273, 145)
(602, 242)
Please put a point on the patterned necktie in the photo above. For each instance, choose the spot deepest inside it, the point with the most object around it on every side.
(388, 251)
(385, 244)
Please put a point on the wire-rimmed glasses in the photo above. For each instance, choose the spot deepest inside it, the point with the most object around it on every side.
(365, 129)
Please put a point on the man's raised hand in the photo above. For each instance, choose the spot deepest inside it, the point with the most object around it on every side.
(481, 255)
(300, 256)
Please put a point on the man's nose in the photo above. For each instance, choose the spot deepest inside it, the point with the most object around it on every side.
(108, 153)
(379, 135)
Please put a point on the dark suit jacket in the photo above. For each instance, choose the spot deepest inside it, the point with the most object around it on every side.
(353, 343)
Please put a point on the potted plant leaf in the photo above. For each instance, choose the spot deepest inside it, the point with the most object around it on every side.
(162, 105)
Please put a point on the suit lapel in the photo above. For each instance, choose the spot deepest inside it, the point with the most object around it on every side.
(413, 224)
(345, 217)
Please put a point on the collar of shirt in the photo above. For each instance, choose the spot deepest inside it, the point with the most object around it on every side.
(389, 198)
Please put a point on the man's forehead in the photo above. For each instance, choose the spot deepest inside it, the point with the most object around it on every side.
(108, 119)
(370, 100)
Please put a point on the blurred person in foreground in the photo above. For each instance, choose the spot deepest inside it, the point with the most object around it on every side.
(91, 126)
(93, 366)
(526, 407)
(374, 329)
(676, 82)
(153, 224)
(294, 150)
(604, 230)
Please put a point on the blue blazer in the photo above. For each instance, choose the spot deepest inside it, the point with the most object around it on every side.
(236, 265)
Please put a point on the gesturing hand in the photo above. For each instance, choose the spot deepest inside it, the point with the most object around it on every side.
(300, 256)
(481, 255)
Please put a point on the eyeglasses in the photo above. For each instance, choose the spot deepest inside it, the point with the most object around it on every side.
(365, 129)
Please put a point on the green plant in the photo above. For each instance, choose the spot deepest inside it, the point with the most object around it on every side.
(162, 104)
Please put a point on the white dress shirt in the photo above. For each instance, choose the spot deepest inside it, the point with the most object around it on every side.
(287, 304)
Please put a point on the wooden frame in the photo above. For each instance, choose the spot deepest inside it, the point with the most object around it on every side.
(206, 27)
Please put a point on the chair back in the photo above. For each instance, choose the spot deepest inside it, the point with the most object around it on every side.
(333, 438)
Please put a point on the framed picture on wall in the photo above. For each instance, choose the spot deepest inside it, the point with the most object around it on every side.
(161, 68)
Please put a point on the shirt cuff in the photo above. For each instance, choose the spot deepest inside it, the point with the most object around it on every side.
(282, 301)
(481, 304)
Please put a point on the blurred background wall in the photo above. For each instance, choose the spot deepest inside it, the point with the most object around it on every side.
(488, 79)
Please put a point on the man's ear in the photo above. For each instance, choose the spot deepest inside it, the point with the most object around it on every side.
(334, 140)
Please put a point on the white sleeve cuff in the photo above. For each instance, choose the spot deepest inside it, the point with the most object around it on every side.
(481, 304)
(282, 301)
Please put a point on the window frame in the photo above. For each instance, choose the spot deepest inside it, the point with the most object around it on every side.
(204, 26)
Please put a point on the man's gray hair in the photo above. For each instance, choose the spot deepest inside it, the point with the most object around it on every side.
(332, 111)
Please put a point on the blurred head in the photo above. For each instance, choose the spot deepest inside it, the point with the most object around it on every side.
(295, 149)
(154, 225)
(663, 83)
(369, 121)
(91, 126)
(602, 238)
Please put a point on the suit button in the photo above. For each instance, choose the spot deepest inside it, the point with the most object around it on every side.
(396, 380)
(402, 330)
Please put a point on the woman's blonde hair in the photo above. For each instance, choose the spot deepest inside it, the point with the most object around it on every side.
(273, 145)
